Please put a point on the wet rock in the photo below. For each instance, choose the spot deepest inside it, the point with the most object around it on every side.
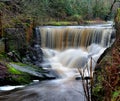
(78, 78)
(34, 55)
(3, 71)
(51, 74)
(14, 56)
(84, 78)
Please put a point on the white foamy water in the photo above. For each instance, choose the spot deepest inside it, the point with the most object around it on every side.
(6, 88)
(66, 49)
(67, 62)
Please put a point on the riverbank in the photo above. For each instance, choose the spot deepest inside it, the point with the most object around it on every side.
(107, 72)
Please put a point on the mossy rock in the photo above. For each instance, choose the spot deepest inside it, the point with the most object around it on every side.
(17, 77)
(17, 73)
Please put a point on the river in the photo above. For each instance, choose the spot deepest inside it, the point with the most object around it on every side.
(65, 49)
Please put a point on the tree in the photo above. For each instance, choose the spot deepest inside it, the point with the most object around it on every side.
(57, 8)
(60, 9)
(111, 9)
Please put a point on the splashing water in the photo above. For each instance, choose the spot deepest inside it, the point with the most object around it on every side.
(68, 48)
(64, 50)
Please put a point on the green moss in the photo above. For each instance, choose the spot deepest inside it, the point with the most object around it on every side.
(60, 23)
(29, 66)
(13, 70)
(18, 77)
(19, 63)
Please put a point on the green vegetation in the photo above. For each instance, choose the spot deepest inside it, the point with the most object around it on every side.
(118, 16)
(106, 86)
(107, 75)
(60, 23)
(17, 77)
(29, 13)
(63, 9)
(16, 73)
(17, 12)
(12, 70)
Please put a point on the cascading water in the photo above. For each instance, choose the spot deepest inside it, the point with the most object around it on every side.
(64, 50)
(63, 38)
(67, 48)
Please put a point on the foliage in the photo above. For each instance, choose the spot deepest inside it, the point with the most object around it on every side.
(40, 12)
(75, 17)
(109, 71)
(116, 95)
(61, 9)
(1, 5)
(108, 77)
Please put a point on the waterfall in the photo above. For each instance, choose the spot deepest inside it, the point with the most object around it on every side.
(67, 48)
(64, 49)
(61, 38)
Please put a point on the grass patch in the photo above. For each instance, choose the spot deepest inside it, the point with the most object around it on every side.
(60, 23)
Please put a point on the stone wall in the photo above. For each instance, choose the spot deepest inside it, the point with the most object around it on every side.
(15, 38)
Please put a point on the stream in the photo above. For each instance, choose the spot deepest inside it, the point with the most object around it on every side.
(65, 49)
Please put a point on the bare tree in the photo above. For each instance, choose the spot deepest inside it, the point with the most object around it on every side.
(111, 9)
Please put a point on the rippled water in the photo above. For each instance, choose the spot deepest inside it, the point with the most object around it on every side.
(55, 90)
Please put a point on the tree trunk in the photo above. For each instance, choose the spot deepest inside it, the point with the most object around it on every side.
(1, 30)
(111, 8)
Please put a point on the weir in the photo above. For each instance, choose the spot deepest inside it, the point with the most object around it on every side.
(61, 38)
(66, 48)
